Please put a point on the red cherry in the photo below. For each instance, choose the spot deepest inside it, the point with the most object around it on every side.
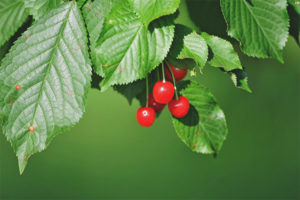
(145, 116)
(163, 92)
(158, 107)
(178, 73)
(179, 108)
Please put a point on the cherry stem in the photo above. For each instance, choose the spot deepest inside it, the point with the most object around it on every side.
(163, 73)
(147, 91)
(174, 81)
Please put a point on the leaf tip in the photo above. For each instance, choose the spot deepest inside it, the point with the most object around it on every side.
(249, 90)
(22, 165)
(246, 88)
(280, 59)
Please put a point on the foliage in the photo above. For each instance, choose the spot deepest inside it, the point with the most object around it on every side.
(47, 73)
(38, 8)
(204, 128)
(12, 15)
(261, 26)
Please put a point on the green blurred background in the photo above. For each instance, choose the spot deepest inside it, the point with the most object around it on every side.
(109, 156)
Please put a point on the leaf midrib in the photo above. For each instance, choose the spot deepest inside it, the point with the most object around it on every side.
(63, 26)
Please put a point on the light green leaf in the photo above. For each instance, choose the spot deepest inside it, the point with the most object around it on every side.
(127, 50)
(296, 5)
(12, 16)
(223, 53)
(38, 8)
(50, 64)
(150, 10)
(260, 25)
(204, 128)
(189, 44)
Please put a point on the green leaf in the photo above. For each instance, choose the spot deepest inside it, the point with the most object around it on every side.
(137, 89)
(94, 14)
(240, 79)
(150, 10)
(224, 57)
(80, 3)
(189, 44)
(96, 79)
(223, 53)
(132, 90)
(295, 4)
(260, 25)
(12, 16)
(204, 128)
(128, 50)
(38, 8)
(4, 49)
(183, 63)
(50, 63)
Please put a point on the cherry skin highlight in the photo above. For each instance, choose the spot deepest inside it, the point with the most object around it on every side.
(158, 107)
(163, 92)
(145, 116)
(178, 73)
(179, 108)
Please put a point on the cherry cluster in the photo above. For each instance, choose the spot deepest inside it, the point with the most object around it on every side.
(162, 94)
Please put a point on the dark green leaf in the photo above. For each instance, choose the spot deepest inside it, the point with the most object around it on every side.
(132, 90)
(50, 64)
(96, 79)
(295, 4)
(182, 63)
(4, 49)
(204, 128)
(240, 79)
(137, 89)
(260, 25)
(12, 16)
(294, 24)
